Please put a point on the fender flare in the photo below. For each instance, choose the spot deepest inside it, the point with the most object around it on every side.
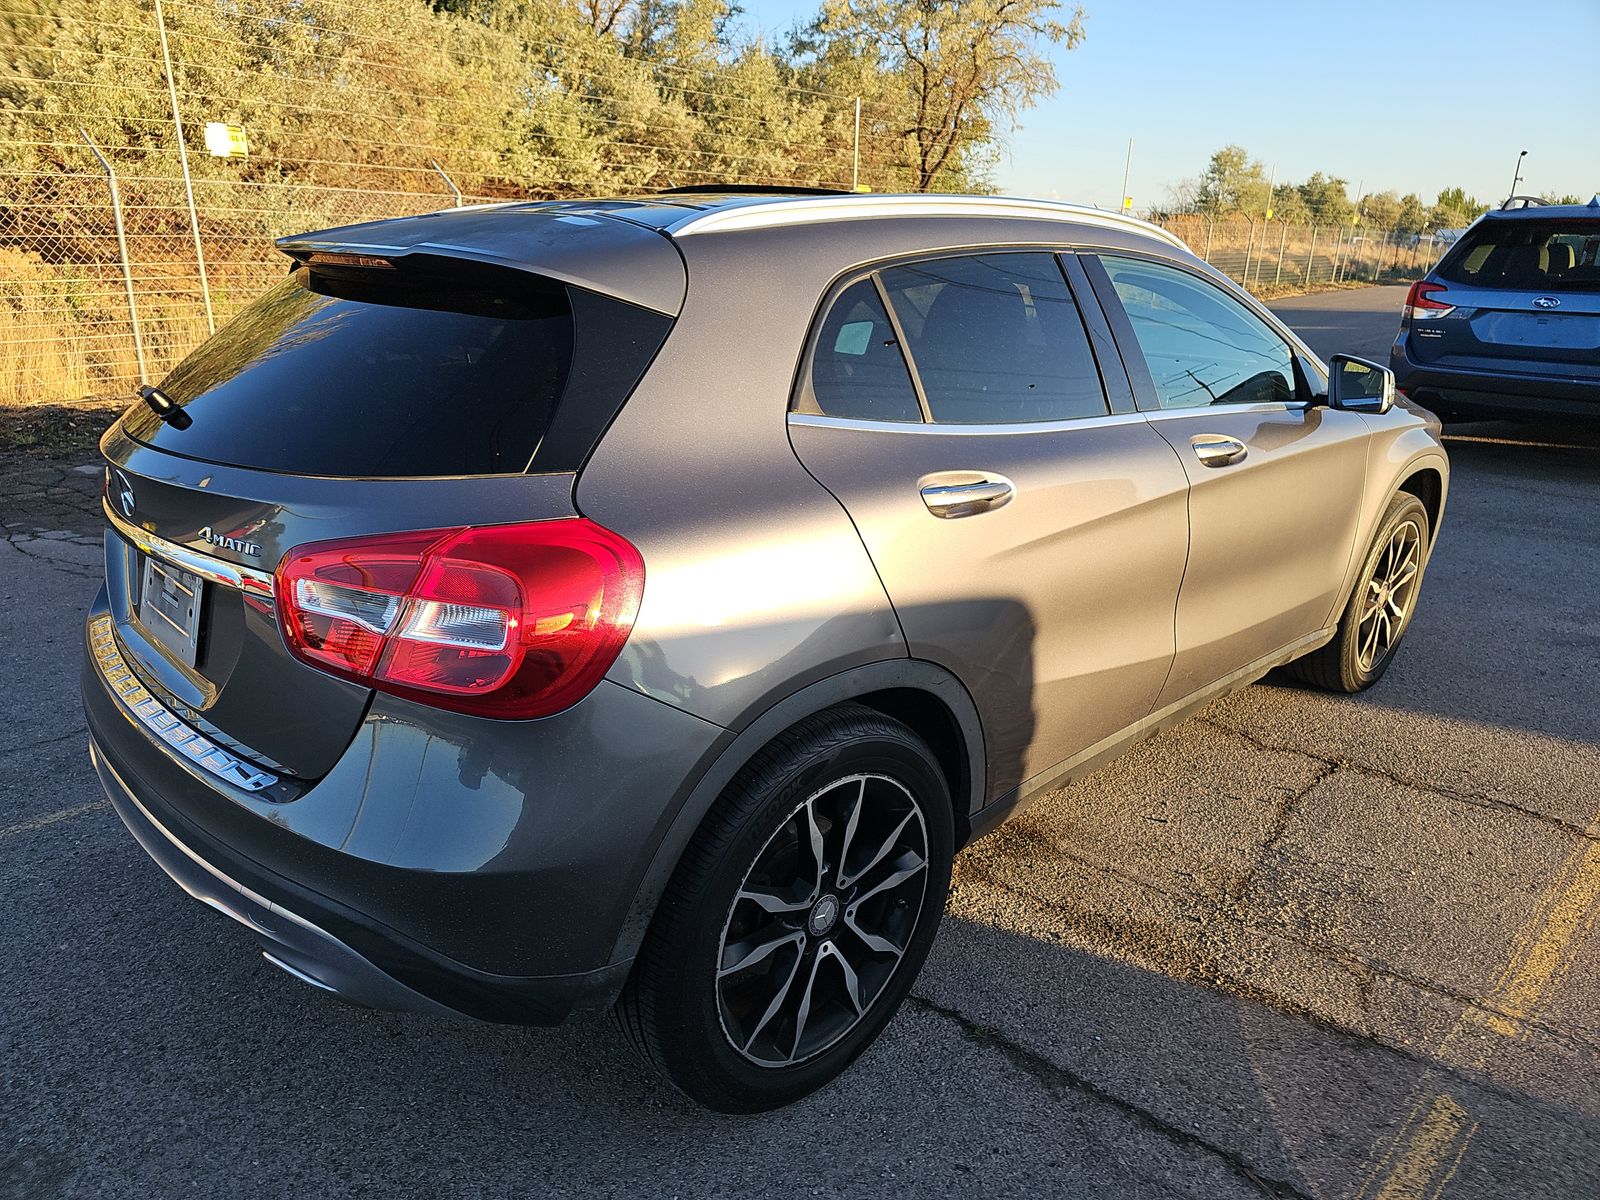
(901, 673)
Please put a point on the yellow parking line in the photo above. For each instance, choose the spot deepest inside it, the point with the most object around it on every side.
(1423, 1156)
(1525, 982)
(1428, 1154)
(40, 822)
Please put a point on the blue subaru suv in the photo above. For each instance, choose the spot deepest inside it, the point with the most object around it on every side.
(1507, 324)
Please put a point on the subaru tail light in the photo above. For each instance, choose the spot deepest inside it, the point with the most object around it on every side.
(1420, 306)
(511, 621)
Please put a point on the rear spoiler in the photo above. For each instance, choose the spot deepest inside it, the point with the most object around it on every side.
(599, 254)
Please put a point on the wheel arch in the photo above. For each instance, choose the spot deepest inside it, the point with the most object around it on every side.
(927, 698)
(1426, 483)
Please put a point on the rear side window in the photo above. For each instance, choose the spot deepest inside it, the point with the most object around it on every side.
(857, 369)
(383, 375)
(996, 338)
(1557, 255)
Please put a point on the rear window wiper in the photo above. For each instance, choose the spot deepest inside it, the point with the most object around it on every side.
(165, 407)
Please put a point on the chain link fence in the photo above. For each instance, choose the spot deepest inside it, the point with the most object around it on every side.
(1270, 257)
(109, 273)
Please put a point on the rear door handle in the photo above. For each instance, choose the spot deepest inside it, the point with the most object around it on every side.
(1218, 450)
(980, 493)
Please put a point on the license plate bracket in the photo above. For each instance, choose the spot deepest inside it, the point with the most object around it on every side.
(169, 608)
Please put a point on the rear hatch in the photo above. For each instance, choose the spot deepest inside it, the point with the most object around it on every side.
(1524, 296)
(363, 394)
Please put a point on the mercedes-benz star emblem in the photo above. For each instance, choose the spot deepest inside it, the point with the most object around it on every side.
(122, 490)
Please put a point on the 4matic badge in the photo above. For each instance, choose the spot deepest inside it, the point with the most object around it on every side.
(223, 542)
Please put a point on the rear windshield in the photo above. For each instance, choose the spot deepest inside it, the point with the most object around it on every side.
(1556, 255)
(379, 374)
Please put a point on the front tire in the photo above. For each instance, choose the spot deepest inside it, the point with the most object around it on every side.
(799, 917)
(1380, 608)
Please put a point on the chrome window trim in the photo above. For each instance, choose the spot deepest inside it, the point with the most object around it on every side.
(810, 210)
(818, 421)
(212, 570)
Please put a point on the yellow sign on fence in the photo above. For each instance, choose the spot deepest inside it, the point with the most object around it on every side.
(226, 141)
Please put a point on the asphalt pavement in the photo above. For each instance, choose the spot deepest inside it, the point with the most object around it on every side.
(1299, 946)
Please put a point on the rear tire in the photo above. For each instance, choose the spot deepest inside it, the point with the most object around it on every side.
(1380, 608)
(799, 917)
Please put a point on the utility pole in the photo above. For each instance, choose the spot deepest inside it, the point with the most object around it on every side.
(183, 158)
(1123, 205)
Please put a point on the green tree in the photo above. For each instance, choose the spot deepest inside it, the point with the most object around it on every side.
(1381, 210)
(1232, 182)
(1454, 208)
(1413, 215)
(957, 71)
(1327, 199)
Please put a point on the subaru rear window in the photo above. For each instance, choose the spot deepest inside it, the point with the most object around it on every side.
(396, 374)
(1556, 255)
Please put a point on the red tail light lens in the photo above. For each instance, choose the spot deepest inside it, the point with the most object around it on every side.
(1421, 307)
(512, 621)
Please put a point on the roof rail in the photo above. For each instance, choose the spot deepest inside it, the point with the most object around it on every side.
(749, 189)
(1513, 202)
(806, 210)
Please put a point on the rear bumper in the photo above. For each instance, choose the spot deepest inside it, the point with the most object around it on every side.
(288, 940)
(1493, 393)
(420, 901)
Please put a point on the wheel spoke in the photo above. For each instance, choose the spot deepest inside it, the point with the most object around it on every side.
(850, 832)
(852, 982)
(1406, 573)
(875, 942)
(880, 854)
(778, 998)
(748, 953)
(815, 832)
(772, 902)
(1369, 642)
(803, 1014)
(889, 881)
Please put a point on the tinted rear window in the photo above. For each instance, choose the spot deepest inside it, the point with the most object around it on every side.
(376, 375)
(1528, 255)
(996, 338)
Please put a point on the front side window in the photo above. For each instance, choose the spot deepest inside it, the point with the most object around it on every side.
(1202, 346)
(857, 370)
(996, 338)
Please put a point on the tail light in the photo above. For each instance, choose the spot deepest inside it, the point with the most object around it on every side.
(1419, 304)
(511, 621)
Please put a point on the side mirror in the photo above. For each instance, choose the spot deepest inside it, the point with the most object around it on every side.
(1356, 385)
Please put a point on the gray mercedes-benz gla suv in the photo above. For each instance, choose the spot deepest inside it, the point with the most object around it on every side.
(524, 610)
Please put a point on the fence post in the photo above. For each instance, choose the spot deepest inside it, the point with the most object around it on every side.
(1250, 244)
(1311, 256)
(1283, 242)
(122, 253)
(183, 159)
(1210, 224)
(448, 182)
(1340, 250)
(855, 158)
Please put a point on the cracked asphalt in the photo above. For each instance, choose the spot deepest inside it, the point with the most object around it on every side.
(1299, 946)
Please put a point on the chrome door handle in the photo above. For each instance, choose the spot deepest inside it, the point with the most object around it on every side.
(964, 499)
(1218, 450)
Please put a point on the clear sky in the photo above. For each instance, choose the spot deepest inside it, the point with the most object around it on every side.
(1398, 94)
